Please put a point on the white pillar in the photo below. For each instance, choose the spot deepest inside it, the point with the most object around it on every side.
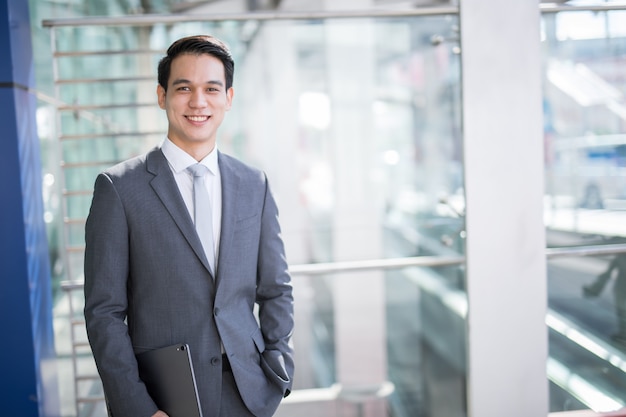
(359, 298)
(506, 269)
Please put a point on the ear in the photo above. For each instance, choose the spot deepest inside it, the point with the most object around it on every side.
(161, 96)
(229, 97)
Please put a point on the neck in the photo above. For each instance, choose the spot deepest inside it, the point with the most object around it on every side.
(198, 151)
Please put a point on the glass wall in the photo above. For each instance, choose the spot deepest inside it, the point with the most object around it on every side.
(357, 123)
(363, 116)
(585, 167)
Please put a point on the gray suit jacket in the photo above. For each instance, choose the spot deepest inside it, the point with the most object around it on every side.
(147, 285)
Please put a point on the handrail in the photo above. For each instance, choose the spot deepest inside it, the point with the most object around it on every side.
(151, 19)
(74, 54)
(349, 266)
(103, 80)
(591, 250)
(428, 261)
(88, 164)
(556, 8)
(73, 107)
(372, 264)
(437, 261)
(82, 136)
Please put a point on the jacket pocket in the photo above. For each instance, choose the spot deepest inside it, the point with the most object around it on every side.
(272, 362)
(273, 359)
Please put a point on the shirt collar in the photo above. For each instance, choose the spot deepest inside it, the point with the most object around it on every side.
(181, 160)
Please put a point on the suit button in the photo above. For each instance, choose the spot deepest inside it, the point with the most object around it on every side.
(216, 312)
(215, 361)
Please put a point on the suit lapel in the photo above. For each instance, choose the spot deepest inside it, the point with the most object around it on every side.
(166, 188)
(230, 189)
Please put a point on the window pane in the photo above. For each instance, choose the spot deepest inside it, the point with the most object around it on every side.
(585, 168)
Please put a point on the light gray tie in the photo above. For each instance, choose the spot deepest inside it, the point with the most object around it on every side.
(202, 213)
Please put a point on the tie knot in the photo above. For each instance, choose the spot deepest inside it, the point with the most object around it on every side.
(198, 170)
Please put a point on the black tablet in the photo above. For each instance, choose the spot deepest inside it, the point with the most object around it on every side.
(168, 375)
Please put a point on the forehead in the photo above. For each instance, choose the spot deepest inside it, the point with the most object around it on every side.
(199, 68)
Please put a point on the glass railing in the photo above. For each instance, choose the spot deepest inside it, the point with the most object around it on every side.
(585, 180)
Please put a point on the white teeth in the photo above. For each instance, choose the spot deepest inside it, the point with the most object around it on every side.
(197, 118)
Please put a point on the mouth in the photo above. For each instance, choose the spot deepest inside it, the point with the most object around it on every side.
(197, 119)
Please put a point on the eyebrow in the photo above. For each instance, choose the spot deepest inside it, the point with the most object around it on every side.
(185, 81)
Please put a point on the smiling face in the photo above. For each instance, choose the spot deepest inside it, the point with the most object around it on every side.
(195, 102)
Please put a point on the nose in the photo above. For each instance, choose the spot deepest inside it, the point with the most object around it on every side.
(197, 99)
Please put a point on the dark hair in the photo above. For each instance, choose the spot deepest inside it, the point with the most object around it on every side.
(197, 45)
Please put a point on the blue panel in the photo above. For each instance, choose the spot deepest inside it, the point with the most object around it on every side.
(28, 383)
(15, 36)
(17, 363)
(38, 261)
(6, 69)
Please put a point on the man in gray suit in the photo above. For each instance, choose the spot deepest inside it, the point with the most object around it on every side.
(150, 283)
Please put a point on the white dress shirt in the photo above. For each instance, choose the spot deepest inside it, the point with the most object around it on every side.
(179, 161)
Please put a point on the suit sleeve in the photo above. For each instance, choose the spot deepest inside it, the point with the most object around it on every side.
(275, 296)
(106, 303)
